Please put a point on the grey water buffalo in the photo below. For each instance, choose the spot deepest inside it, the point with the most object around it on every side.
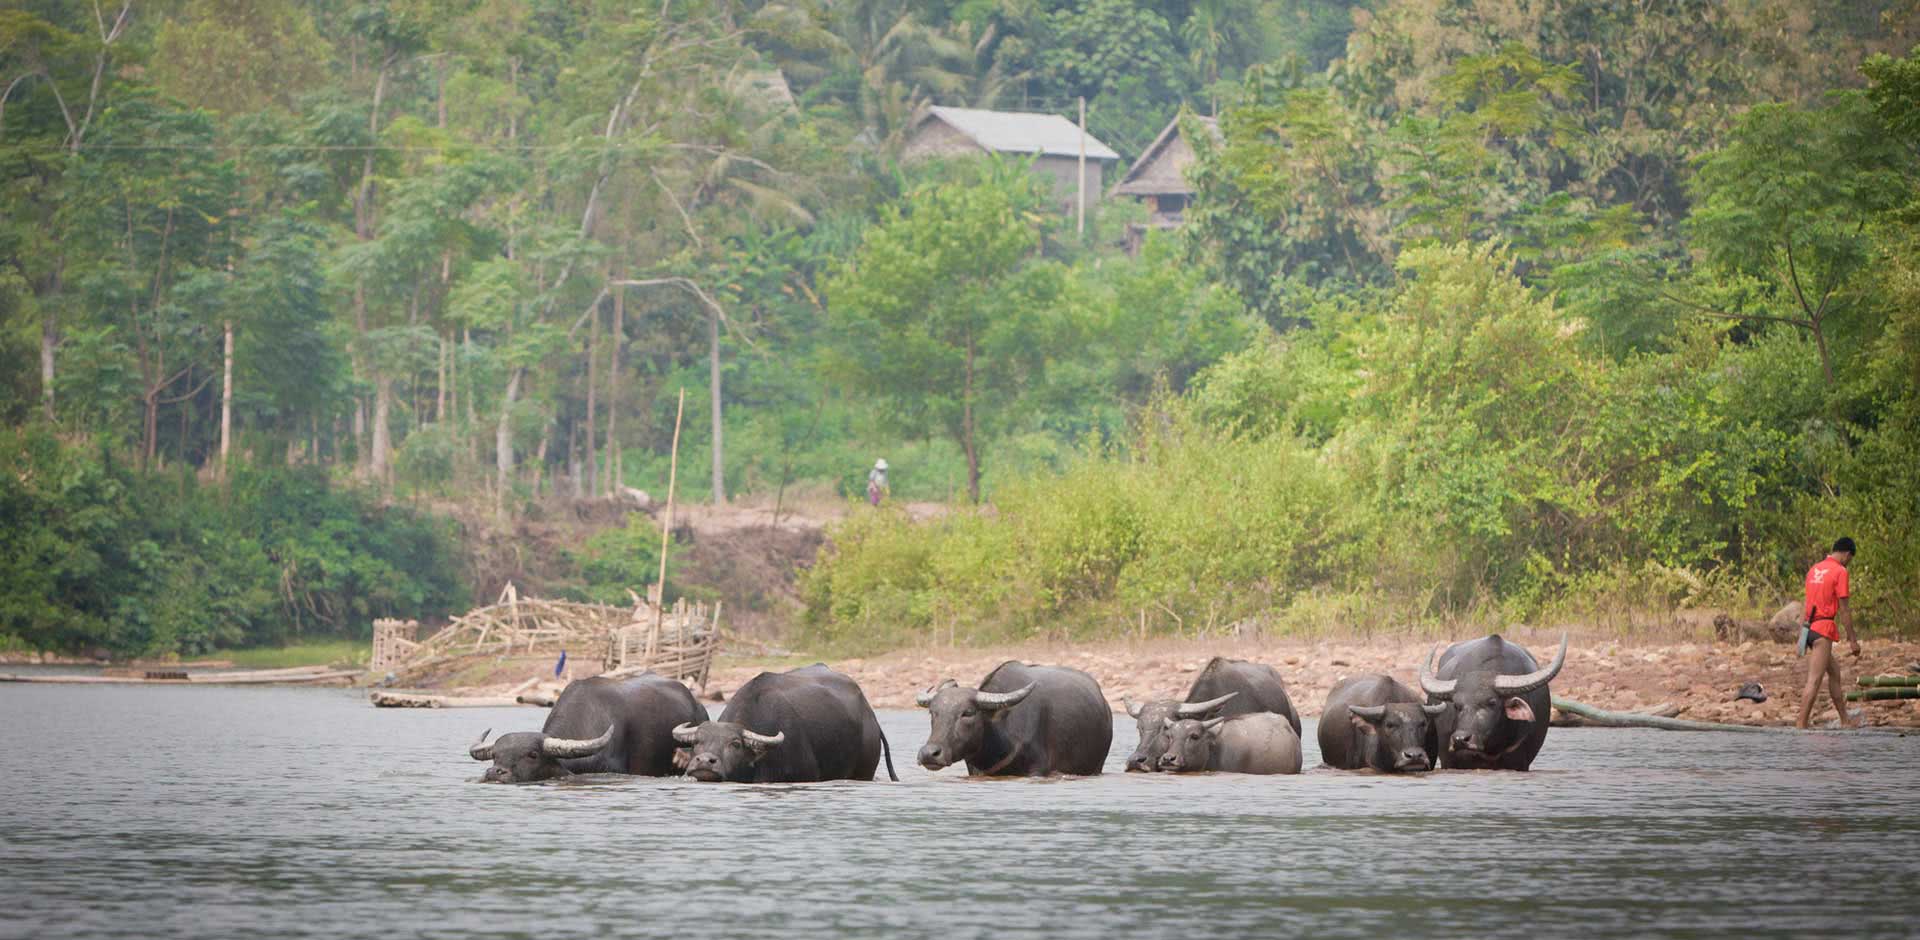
(1153, 718)
(807, 724)
(1023, 720)
(598, 725)
(1256, 743)
(1240, 688)
(1498, 703)
(1376, 722)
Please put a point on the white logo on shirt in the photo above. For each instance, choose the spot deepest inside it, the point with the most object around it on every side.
(1819, 575)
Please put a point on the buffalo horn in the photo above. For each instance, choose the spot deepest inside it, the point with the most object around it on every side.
(1440, 688)
(1520, 685)
(1434, 711)
(996, 700)
(1133, 711)
(1213, 724)
(1196, 709)
(481, 750)
(761, 742)
(686, 732)
(574, 747)
(925, 699)
(1369, 712)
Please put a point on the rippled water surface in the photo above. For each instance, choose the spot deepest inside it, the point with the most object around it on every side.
(146, 812)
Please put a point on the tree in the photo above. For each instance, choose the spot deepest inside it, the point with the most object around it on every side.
(941, 317)
(1783, 214)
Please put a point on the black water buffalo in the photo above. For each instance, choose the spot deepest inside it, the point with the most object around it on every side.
(808, 724)
(1499, 703)
(1153, 718)
(1374, 721)
(597, 726)
(1243, 687)
(1024, 720)
(1255, 743)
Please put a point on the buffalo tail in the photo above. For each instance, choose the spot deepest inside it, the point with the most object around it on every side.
(887, 749)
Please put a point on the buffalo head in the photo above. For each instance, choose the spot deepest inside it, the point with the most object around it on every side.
(713, 751)
(1397, 734)
(1490, 712)
(960, 717)
(1151, 718)
(529, 755)
(1190, 743)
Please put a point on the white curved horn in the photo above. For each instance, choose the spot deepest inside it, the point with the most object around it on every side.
(997, 700)
(573, 747)
(481, 750)
(686, 732)
(1520, 685)
(1133, 711)
(1196, 709)
(1440, 688)
(761, 742)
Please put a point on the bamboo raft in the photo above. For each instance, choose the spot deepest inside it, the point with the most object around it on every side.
(296, 675)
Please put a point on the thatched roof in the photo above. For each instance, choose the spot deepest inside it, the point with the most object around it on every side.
(1017, 132)
(1161, 170)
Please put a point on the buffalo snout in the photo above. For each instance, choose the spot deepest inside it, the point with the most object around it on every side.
(933, 757)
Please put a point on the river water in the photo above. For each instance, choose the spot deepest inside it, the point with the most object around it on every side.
(135, 811)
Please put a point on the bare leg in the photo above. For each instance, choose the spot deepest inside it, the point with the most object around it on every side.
(1834, 685)
(1819, 655)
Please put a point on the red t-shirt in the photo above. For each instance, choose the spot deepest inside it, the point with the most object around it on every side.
(1826, 585)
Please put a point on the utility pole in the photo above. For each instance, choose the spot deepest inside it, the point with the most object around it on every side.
(1080, 206)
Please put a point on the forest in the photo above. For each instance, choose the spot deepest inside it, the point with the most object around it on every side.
(1482, 310)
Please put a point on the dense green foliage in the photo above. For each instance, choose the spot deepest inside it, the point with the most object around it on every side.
(1489, 304)
(98, 555)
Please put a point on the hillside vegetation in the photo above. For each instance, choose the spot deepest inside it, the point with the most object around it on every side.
(314, 310)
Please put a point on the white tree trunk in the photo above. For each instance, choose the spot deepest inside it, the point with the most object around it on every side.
(378, 467)
(713, 387)
(503, 445)
(49, 338)
(226, 400)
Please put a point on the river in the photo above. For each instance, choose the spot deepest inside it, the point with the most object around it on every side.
(142, 811)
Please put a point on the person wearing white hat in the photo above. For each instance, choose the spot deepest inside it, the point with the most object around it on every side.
(877, 481)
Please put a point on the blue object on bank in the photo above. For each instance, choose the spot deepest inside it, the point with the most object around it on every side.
(562, 664)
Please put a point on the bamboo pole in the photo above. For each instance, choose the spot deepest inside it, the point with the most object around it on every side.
(666, 527)
(1885, 681)
(1880, 694)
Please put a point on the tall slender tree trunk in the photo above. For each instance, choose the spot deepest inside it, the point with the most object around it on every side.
(440, 382)
(503, 445)
(370, 458)
(967, 442)
(713, 388)
(593, 390)
(379, 467)
(226, 399)
(49, 338)
(613, 475)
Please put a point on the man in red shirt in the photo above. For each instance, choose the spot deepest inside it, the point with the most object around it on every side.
(1826, 610)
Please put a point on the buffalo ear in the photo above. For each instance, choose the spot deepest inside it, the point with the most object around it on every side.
(1366, 716)
(1519, 710)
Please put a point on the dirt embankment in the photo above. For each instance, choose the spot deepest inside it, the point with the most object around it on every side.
(1700, 678)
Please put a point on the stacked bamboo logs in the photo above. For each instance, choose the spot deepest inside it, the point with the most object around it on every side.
(1880, 688)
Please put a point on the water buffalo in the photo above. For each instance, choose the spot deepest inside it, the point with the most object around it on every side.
(1373, 721)
(1024, 720)
(1499, 703)
(1256, 743)
(808, 724)
(1243, 688)
(1260, 686)
(597, 726)
(1152, 720)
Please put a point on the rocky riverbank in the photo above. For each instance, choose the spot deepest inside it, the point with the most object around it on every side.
(1700, 679)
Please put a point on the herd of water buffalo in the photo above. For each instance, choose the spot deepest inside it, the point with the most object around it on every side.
(1485, 706)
